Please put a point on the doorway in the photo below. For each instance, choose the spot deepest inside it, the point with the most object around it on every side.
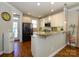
(16, 26)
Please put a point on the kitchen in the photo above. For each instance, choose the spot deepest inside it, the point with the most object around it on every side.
(47, 26)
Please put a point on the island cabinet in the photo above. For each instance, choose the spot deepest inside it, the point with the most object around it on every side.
(47, 45)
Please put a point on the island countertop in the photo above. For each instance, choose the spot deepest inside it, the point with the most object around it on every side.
(45, 34)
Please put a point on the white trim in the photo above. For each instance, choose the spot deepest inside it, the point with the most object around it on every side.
(7, 52)
(54, 53)
(2, 52)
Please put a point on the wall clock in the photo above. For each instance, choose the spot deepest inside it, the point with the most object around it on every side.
(6, 16)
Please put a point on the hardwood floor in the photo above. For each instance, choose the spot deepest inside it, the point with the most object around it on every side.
(68, 51)
(20, 50)
(24, 50)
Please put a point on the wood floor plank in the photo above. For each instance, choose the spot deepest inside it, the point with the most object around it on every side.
(68, 51)
(24, 50)
(20, 50)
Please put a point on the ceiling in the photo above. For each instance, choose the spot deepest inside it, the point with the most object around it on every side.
(31, 8)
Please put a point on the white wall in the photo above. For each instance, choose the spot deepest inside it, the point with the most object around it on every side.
(73, 19)
(1, 27)
(7, 25)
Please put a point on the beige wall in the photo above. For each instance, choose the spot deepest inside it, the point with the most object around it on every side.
(27, 19)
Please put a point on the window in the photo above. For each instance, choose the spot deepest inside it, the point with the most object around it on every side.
(34, 22)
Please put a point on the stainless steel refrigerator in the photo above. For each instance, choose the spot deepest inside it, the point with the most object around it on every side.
(27, 31)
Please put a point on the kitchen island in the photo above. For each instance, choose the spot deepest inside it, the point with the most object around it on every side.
(44, 44)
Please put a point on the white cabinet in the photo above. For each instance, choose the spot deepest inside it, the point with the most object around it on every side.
(42, 21)
(34, 47)
(52, 21)
(57, 19)
(46, 19)
(42, 46)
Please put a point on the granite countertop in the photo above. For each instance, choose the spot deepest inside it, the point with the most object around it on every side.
(44, 33)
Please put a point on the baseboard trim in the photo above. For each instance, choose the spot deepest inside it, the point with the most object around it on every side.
(8, 52)
(54, 53)
(2, 52)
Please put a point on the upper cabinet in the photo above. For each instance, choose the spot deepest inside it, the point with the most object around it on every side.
(56, 20)
(42, 21)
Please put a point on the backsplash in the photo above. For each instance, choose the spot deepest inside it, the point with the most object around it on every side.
(48, 29)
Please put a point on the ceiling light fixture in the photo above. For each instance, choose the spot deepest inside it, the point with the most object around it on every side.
(52, 3)
(39, 16)
(14, 13)
(38, 4)
(29, 13)
(49, 18)
(52, 10)
(65, 22)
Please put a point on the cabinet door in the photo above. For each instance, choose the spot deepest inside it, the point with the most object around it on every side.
(42, 22)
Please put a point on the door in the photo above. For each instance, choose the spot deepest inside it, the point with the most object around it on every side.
(16, 26)
(15, 29)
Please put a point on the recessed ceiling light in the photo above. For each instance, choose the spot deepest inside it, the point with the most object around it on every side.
(65, 22)
(52, 3)
(29, 13)
(52, 10)
(38, 4)
(14, 13)
(39, 16)
(49, 18)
